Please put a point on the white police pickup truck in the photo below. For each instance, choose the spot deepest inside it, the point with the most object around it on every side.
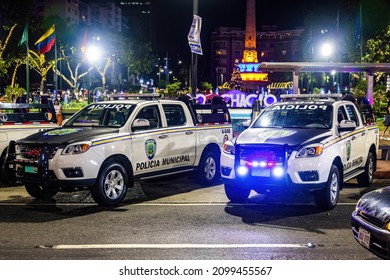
(18, 120)
(106, 146)
(309, 143)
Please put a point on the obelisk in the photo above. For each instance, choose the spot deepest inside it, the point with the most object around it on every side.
(250, 53)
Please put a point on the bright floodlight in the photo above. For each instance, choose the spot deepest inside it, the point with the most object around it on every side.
(326, 49)
(93, 54)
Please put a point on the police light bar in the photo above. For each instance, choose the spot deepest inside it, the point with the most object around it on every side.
(312, 96)
(135, 95)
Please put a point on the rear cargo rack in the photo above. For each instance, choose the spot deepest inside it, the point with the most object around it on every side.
(336, 96)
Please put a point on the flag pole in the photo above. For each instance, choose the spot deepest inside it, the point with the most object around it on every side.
(55, 58)
(361, 33)
(27, 72)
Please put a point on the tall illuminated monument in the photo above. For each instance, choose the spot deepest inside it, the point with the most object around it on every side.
(251, 78)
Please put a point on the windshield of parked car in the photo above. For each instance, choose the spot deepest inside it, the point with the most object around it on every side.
(102, 115)
(296, 114)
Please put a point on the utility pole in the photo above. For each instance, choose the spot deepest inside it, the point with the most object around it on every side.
(194, 59)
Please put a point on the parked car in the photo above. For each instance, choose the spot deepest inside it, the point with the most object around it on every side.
(371, 222)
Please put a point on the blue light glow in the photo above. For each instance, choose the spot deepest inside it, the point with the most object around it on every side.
(278, 171)
(242, 170)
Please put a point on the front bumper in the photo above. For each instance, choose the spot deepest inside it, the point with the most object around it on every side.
(274, 168)
(379, 241)
(49, 169)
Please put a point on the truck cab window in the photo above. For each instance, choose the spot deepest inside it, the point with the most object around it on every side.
(151, 113)
(175, 115)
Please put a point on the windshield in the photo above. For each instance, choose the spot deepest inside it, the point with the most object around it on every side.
(297, 115)
(102, 115)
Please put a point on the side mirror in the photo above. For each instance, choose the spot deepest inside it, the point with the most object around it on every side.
(246, 123)
(346, 125)
(140, 124)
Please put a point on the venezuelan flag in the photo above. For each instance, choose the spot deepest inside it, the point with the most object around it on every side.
(47, 40)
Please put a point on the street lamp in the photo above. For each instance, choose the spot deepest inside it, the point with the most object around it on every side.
(326, 50)
(169, 73)
(159, 76)
(92, 54)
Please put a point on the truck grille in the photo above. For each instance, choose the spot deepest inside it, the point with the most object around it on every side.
(276, 154)
(33, 152)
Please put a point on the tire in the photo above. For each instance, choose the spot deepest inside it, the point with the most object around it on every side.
(6, 175)
(327, 198)
(236, 194)
(208, 172)
(111, 185)
(39, 192)
(365, 179)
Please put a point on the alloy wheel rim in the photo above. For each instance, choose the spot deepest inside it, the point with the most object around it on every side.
(114, 184)
(334, 186)
(210, 168)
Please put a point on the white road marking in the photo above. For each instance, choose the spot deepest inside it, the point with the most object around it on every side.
(169, 246)
(159, 204)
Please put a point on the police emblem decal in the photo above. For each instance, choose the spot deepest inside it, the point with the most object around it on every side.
(348, 148)
(150, 148)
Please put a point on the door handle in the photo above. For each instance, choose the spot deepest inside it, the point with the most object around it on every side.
(189, 132)
(163, 136)
(353, 138)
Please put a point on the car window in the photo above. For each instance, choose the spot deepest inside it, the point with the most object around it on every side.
(152, 114)
(174, 114)
(352, 114)
(296, 115)
(341, 114)
(103, 115)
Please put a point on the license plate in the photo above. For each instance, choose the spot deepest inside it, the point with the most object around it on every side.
(364, 237)
(31, 169)
(261, 172)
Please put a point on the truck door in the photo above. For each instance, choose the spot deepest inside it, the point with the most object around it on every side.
(149, 144)
(181, 134)
(358, 143)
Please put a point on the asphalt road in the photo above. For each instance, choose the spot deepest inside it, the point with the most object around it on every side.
(177, 219)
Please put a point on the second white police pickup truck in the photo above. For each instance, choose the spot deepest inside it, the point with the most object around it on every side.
(18, 120)
(106, 146)
(306, 143)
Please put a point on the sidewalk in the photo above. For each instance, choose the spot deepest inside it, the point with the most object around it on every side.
(382, 169)
(382, 166)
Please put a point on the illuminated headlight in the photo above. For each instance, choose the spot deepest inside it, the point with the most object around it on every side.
(388, 226)
(75, 149)
(228, 148)
(278, 171)
(242, 170)
(312, 151)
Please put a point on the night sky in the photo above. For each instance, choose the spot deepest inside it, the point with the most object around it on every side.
(174, 18)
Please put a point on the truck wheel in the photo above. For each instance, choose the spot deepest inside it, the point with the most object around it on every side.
(208, 170)
(38, 192)
(111, 185)
(236, 194)
(365, 179)
(6, 176)
(327, 198)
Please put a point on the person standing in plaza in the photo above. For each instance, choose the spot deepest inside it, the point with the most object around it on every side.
(58, 110)
(386, 121)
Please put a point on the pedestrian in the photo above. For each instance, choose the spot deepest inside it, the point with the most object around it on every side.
(58, 110)
(386, 121)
